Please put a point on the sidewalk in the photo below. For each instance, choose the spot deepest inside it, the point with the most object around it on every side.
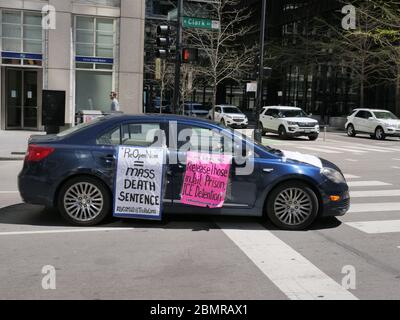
(13, 144)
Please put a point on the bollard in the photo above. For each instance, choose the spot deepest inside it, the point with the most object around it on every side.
(324, 133)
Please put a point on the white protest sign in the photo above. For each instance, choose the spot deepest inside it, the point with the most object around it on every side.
(139, 183)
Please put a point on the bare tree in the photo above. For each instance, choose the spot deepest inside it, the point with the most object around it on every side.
(224, 53)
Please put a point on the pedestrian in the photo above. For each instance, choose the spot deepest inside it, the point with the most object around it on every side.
(114, 102)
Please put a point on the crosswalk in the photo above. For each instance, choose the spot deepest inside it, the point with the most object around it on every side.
(381, 197)
(333, 147)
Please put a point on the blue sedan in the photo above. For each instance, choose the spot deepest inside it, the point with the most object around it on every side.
(78, 166)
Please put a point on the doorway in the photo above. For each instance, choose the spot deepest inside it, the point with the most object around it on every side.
(21, 99)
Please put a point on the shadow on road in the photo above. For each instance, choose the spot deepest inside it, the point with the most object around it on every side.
(30, 215)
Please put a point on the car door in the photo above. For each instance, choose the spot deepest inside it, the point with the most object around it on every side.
(218, 114)
(359, 121)
(268, 119)
(275, 121)
(370, 122)
(131, 133)
(241, 191)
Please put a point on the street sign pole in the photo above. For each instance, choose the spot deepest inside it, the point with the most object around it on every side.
(178, 57)
(260, 87)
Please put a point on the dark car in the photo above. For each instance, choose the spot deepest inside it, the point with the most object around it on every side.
(74, 171)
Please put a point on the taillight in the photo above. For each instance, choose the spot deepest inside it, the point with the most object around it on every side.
(37, 153)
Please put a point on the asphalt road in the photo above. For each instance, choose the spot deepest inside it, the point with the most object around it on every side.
(216, 258)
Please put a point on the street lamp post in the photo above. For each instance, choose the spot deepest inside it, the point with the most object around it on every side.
(175, 103)
(260, 80)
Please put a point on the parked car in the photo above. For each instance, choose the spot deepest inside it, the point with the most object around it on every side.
(379, 124)
(230, 116)
(288, 122)
(193, 109)
(74, 171)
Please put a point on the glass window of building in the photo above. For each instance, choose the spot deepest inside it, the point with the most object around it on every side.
(21, 37)
(94, 62)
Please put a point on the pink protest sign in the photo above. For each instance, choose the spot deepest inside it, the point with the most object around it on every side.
(206, 179)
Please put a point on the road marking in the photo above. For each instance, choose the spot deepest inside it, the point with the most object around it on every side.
(372, 227)
(292, 273)
(351, 160)
(350, 176)
(395, 159)
(374, 193)
(367, 183)
(346, 149)
(374, 149)
(319, 150)
(18, 233)
(395, 167)
(374, 207)
(8, 192)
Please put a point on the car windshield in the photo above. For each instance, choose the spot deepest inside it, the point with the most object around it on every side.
(292, 113)
(79, 127)
(386, 115)
(231, 110)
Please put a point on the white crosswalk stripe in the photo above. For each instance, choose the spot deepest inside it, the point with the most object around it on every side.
(375, 227)
(375, 207)
(367, 183)
(375, 193)
(320, 150)
(292, 273)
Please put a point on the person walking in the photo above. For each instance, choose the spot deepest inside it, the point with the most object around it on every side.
(114, 102)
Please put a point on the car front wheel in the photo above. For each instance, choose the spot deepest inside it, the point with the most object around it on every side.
(84, 201)
(350, 131)
(292, 206)
(282, 132)
(313, 137)
(380, 134)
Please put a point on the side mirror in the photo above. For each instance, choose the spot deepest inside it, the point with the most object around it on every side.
(310, 115)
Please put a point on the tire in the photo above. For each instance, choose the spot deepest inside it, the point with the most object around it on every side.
(313, 137)
(351, 132)
(263, 130)
(282, 133)
(223, 122)
(380, 133)
(83, 211)
(282, 209)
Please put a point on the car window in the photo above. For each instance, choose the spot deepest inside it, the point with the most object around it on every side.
(217, 109)
(111, 137)
(360, 114)
(270, 112)
(385, 115)
(232, 110)
(143, 135)
(194, 138)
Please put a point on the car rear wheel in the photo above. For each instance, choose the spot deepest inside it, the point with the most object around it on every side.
(282, 132)
(380, 134)
(84, 201)
(263, 130)
(292, 206)
(350, 131)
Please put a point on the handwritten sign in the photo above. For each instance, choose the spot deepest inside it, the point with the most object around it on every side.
(139, 183)
(205, 180)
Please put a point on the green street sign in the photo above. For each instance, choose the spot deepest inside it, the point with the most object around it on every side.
(200, 23)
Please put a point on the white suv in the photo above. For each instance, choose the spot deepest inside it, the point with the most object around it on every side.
(230, 116)
(379, 124)
(288, 122)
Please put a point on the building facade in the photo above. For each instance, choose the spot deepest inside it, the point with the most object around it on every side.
(86, 48)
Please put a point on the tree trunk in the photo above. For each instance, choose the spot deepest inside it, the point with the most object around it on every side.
(397, 110)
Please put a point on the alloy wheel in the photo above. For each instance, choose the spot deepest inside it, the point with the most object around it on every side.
(83, 201)
(293, 206)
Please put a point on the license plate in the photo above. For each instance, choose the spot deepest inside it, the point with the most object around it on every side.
(307, 131)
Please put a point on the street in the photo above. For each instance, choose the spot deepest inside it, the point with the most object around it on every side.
(194, 257)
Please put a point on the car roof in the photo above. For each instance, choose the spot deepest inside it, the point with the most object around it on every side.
(153, 116)
(226, 106)
(373, 110)
(282, 107)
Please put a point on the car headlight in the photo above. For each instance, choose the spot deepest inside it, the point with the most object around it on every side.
(333, 175)
(291, 123)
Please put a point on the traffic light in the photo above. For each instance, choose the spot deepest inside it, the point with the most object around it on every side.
(190, 55)
(163, 41)
(266, 71)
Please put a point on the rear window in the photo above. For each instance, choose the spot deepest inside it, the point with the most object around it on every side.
(79, 127)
